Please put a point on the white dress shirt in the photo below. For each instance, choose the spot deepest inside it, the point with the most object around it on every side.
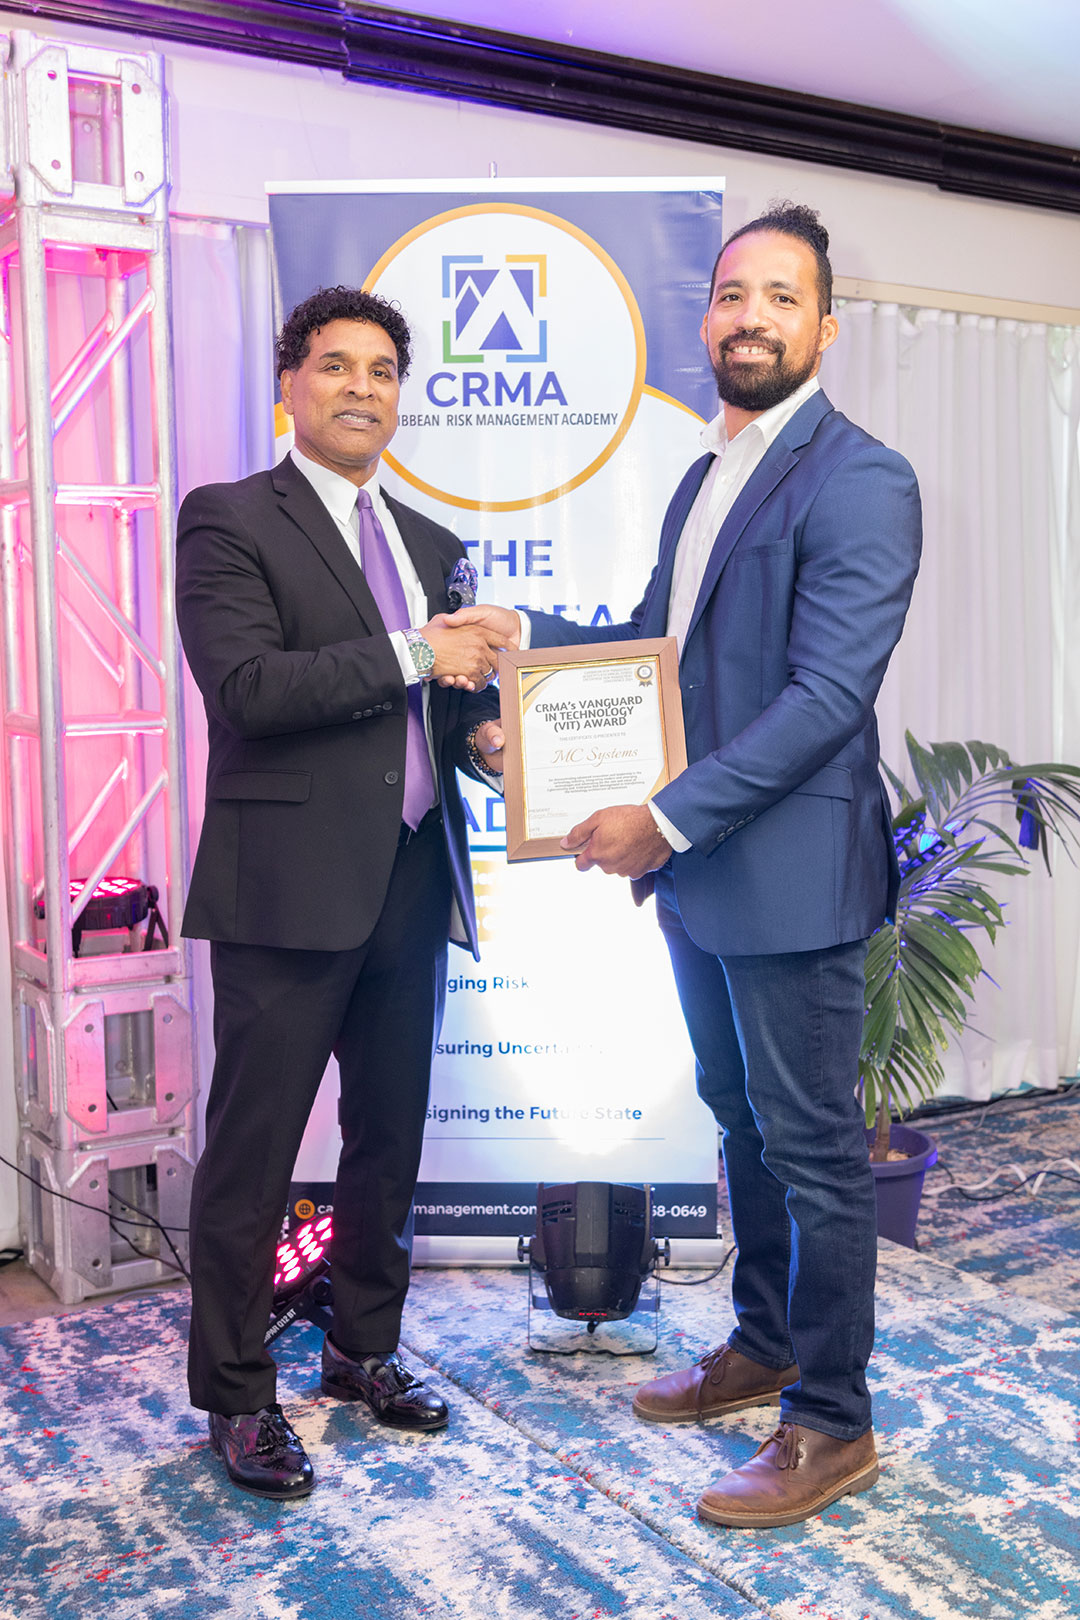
(338, 495)
(720, 488)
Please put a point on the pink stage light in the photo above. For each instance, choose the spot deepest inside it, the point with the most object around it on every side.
(302, 1252)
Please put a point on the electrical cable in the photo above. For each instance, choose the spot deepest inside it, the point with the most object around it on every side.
(127, 1221)
(975, 1197)
(696, 1282)
(81, 1203)
(1008, 1192)
(1019, 1101)
(1022, 1103)
(141, 1254)
(148, 1222)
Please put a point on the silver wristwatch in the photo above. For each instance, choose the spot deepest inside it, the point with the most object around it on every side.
(422, 654)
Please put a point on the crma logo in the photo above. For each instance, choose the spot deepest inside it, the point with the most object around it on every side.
(495, 311)
(495, 315)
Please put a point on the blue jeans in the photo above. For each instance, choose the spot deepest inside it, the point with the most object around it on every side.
(776, 1040)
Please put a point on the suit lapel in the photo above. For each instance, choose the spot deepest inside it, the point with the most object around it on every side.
(774, 466)
(654, 619)
(299, 502)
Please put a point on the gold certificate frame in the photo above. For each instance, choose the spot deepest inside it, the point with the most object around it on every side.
(600, 728)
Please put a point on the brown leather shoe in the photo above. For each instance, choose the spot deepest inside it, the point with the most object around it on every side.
(793, 1475)
(723, 1381)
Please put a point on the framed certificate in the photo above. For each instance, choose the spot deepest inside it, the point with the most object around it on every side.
(601, 727)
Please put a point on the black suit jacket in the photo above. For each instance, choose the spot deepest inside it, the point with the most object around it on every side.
(306, 710)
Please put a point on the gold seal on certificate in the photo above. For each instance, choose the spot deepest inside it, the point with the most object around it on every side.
(599, 728)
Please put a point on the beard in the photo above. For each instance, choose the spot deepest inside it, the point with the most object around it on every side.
(758, 385)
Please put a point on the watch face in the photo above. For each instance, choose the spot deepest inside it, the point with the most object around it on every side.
(423, 653)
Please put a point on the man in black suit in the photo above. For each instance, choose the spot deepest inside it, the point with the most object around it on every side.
(332, 868)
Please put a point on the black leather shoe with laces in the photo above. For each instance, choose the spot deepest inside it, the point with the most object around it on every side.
(263, 1453)
(385, 1384)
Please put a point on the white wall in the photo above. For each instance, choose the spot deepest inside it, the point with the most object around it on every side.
(238, 121)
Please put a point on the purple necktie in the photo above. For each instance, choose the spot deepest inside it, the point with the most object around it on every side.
(381, 573)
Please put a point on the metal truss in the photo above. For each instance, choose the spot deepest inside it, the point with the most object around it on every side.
(91, 671)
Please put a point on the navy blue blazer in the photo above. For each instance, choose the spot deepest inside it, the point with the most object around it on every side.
(801, 605)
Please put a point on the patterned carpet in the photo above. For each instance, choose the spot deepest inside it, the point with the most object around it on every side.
(114, 1506)
(1028, 1241)
(545, 1500)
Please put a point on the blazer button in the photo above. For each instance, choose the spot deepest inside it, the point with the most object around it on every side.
(357, 715)
(391, 777)
(368, 713)
(387, 707)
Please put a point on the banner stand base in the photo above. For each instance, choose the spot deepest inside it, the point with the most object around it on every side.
(687, 1254)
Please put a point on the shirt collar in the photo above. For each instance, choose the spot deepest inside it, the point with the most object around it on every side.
(768, 425)
(337, 494)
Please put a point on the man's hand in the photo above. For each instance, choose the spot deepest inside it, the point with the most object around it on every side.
(501, 625)
(489, 741)
(623, 840)
(504, 623)
(465, 655)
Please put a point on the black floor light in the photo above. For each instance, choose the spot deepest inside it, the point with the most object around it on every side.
(594, 1244)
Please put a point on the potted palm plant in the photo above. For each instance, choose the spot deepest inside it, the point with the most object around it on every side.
(922, 968)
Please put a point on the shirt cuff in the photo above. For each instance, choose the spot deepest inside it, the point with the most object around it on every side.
(404, 657)
(526, 631)
(674, 837)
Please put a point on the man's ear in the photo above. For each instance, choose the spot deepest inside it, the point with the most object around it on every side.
(830, 329)
(286, 392)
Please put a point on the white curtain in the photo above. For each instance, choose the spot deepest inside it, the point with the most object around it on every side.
(224, 373)
(987, 412)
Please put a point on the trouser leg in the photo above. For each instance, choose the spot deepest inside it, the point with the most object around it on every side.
(799, 1018)
(759, 1218)
(276, 1014)
(384, 1050)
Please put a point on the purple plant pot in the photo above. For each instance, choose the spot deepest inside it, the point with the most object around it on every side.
(899, 1183)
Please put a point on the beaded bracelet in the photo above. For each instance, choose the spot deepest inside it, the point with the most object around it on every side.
(476, 758)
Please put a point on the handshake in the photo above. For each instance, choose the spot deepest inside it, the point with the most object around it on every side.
(623, 839)
(466, 643)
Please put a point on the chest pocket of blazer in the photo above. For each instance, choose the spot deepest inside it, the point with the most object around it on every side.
(777, 548)
(290, 787)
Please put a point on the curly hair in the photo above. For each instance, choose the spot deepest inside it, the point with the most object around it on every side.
(793, 219)
(341, 304)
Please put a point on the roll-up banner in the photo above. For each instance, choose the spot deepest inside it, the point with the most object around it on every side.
(556, 396)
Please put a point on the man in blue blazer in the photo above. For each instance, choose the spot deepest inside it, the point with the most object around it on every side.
(786, 564)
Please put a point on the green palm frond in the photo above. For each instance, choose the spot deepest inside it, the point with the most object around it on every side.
(922, 969)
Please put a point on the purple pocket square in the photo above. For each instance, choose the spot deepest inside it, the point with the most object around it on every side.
(461, 585)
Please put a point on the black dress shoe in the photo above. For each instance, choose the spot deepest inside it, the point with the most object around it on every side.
(386, 1385)
(262, 1453)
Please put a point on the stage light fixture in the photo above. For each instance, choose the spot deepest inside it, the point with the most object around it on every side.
(594, 1245)
(117, 902)
(302, 1288)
